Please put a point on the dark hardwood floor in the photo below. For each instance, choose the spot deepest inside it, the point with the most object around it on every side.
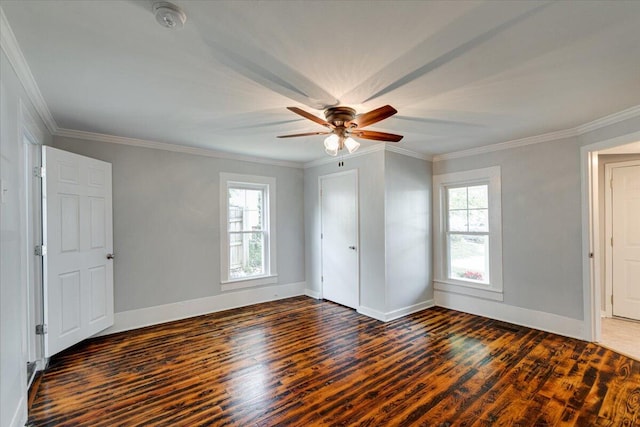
(302, 362)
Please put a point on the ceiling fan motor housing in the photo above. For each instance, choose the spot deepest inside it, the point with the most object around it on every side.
(338, 116)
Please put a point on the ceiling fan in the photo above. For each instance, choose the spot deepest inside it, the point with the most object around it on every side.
(343, 123)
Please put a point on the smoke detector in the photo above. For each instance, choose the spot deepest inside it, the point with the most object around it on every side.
(169, 15)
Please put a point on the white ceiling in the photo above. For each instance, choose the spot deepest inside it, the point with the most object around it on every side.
(461, 74)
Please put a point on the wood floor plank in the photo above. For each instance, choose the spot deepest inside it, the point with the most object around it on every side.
(303, 362)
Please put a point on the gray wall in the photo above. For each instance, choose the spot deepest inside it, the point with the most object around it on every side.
(541, 223)
(542, 218)
(166, 221)
(408, 241)
(13, 263)
(371, 207)
(394, 228)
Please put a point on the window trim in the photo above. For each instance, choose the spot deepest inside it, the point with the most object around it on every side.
(269, 229)
(491, 176)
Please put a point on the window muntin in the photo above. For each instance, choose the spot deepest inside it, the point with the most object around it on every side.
(468, 233)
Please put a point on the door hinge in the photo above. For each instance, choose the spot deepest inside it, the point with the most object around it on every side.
(40, 250)
(41, 329)
(611, 241)
(611, 183)
(322, 279)
(322, 235)
(611, 299)
(39, 171)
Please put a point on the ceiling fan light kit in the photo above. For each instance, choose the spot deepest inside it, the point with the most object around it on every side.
(343, 123)
(169, 15)
(332, 144)
(351, 144)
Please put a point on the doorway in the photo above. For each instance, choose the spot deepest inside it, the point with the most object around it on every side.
(600, 326)
(622, 239)
(620, 229)
(339, 238)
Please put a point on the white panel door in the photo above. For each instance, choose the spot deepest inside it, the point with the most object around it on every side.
(78, 236)
(626, 242)
(339, 223)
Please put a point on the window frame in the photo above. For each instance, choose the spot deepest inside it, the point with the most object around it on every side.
(252, 182)
(441, 183)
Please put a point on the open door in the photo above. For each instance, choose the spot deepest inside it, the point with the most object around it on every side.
(77, 248)
(625, 240)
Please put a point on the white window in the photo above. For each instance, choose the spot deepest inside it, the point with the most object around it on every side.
(468, 233)
(247, 225)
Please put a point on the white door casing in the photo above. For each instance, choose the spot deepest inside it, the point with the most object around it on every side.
(78, 235)
(339, 238)
(626, 240)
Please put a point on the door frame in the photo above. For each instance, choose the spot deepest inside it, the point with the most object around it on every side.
(591, 251)
(320, 179)
(608, 225)
(31, 138)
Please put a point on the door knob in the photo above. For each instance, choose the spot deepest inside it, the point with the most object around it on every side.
(111, 256)
(353, 248)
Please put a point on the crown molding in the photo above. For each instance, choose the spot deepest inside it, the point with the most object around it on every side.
(552, 136)
(406, 152)
(9, 44)
(611, 119)
(602, 122)
(197, 151)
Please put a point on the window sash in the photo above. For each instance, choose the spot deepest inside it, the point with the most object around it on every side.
(238, 262)
(264, 189)
(485, 269)
(233, 243)
(467, 210)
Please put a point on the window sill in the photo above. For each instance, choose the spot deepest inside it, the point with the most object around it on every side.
(249, 282)
(470, 289)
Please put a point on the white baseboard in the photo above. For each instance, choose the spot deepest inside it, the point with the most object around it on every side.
(370, 312)
(133, 319)
(311, 293)
(548, 322)
(395, 314)
(19, 418)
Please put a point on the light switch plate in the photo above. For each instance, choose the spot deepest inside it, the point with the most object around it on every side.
(3, 191)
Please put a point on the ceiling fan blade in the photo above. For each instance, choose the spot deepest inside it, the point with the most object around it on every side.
(310, 117)
(373, 116)
(303, 134)
(378, 136)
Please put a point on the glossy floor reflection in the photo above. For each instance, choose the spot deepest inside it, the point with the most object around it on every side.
(304, 362)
